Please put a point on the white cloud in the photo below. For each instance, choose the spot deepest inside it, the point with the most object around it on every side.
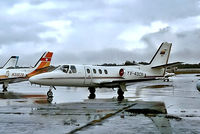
(18, 8)
(59, 29)
(185, 24)
(26, 7)
(134, 34)
(119, 2)
(97, 25)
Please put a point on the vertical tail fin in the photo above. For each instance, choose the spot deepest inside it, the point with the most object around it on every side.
(12, 62)
(162, 55)
(44, 61)
(42, 65)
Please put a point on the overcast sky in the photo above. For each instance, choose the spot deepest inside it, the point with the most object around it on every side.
(98, 31)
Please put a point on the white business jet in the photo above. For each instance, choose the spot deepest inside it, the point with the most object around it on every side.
(10, 74)
(93, 76)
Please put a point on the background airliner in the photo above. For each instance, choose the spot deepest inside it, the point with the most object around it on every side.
(106, 76)
(12, 74)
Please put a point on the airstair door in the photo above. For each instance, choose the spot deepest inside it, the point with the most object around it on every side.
(88, 75)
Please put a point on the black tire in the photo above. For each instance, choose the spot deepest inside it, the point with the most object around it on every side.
(92, 96)
(92, 90)
(49, 99)
(50, 94)
(120, 98)
(120, 92)
(4, 88)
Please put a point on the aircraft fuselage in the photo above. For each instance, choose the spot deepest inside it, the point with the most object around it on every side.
(94, 76)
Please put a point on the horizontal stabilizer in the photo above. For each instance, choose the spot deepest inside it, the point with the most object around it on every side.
(167, 65)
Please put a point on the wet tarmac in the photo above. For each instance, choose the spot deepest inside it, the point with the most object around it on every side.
(148, 107)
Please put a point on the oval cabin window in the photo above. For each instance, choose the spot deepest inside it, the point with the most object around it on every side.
(105, 71)
(88, 71)
(100, 71)
(94, 71)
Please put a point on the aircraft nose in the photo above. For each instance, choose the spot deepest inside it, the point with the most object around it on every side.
(34, 79)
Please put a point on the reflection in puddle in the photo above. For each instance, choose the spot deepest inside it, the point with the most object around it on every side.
(24, 98)
(139, 89)
(9, 95)
(82, 115)
(41, 101)
(21, 101)
(33, 96)
(158, 86)
(12, 95)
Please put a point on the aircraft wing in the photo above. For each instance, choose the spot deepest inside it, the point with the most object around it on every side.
(117, 83)
(13, 80)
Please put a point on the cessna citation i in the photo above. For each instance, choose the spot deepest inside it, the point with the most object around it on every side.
(105, 76)
(10, 74)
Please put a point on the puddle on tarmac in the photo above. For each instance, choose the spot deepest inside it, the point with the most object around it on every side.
(158, 86)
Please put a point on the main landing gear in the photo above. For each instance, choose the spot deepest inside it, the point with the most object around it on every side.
(50, 94)
(120, 93)
(92, 93)
(5, 86)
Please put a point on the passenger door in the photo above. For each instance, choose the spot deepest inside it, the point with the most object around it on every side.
(88, 75)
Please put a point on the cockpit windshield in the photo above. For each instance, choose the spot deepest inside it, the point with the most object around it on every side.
(65, 68)
(68, 68)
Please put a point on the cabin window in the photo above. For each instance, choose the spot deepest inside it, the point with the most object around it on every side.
(105, 71)
(73, 68)
(65, 68)
(94, 71)
(100, 71)
(88, 71)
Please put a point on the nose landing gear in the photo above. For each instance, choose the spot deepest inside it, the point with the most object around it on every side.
(50, 94)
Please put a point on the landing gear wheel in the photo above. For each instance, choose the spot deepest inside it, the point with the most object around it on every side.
(50, 94)
(50, 99)
(4, 88)
(92, 90)
(120, 94)
(92, 93)
(120, 98)
(92, 96)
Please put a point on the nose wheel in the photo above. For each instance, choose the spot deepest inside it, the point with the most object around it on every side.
(92, 93)
(50, 94)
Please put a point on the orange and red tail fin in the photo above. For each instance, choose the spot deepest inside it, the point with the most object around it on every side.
(44, 61)
(42, 65)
